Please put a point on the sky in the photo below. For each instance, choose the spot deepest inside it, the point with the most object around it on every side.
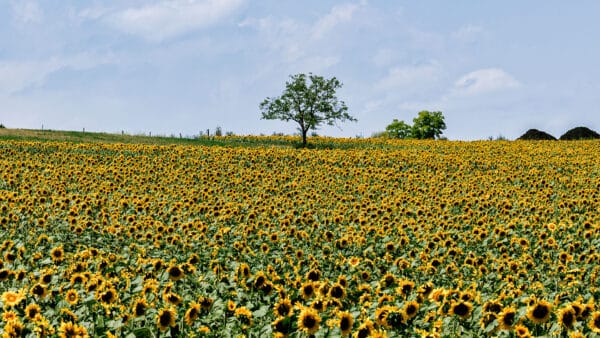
(165, 67)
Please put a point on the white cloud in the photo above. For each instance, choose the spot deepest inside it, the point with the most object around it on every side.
(26, 11)
(484, 81)
(170, 18)
(337, 15)
(409, 76)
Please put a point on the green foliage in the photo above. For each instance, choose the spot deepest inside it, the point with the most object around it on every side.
(399, 129)
(308, 104)
(428, 125)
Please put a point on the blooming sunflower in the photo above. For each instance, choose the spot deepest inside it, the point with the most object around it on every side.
(192, 313)
(10, 316)
(72, 297)
(166, 318)
(12, 298)
(410, 309)
(139, 307)
(507, 318)
(57, 254)
(175, 273)
(346, 321)
(68, 329)
(243, 315)
(283, 308)
(594, 323)
(539, 312)
(461, 309)
(32, 310)
(309, 320)
(567, 317)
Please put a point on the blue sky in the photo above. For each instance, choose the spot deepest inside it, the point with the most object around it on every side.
(180, 66)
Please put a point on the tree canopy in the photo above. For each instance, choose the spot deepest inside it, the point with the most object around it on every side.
(310, 104)
(427, 125)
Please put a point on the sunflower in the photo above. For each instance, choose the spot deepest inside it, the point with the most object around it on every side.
(243, 315)
(206, 303)
(410, 309)
(461, 309)
(166, 318)
(507, 318)
(282, 326)
(283, 308)
(594, 323)
(192, 313)
(346, 321)
(108, 296)
(307, 290)
(337, 291)
(72, 297)
(14, 329)
(309, 320)
(68, 329)
(11, 298)
(32, 310)
(539, 312)
(139, 307)
(175, 273)
(57, 254)
(4, 274)
(521, 331)
(567, 317)
(172, 298)
(231, 306)
(10, 316)
(365, 330)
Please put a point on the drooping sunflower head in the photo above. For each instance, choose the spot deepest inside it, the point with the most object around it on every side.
(346, 321)
(567, 317)
(283, 308)
(166, 318)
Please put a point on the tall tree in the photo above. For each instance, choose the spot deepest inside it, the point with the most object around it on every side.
(309, 104)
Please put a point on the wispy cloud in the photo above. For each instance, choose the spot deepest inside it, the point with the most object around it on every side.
(166, 19)
(27, 11)
(338, 14)
(484, 81)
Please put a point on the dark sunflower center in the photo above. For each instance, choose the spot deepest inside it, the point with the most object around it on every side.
(309, 322)
(337, 292)
(283, 309)
(344, 324)
(165, 319)
(540, 312)
(509, 318)
(461, 309)
(411, 309)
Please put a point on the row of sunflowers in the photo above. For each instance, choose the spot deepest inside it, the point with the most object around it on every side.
(404, 239)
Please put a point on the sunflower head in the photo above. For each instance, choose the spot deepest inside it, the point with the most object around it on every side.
(166, 318)
(539, 312)
(309, 320)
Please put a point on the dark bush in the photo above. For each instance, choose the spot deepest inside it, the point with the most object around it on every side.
(580, 133)
(534, 134)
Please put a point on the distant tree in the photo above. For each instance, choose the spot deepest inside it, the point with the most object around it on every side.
(398, 129)
(308, 104)
(428, 125)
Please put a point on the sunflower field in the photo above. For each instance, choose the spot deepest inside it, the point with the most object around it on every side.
(369, 238)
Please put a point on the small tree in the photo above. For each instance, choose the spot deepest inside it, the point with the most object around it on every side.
(308, 104)
(398, 129)
(428, 125)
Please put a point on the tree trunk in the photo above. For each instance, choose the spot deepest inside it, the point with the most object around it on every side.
(304, 137)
